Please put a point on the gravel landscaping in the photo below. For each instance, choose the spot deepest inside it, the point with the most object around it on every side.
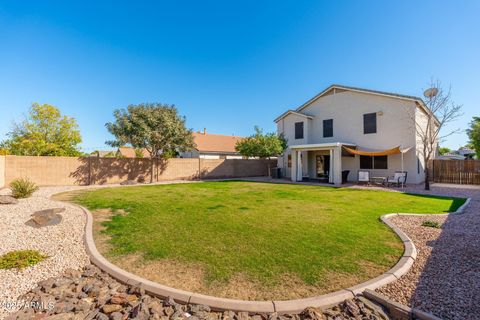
(63, 243)
(445, 277)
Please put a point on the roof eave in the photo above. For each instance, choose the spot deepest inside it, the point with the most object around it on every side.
(286, 113)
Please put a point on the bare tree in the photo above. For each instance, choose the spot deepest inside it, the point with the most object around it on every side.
(439, 111)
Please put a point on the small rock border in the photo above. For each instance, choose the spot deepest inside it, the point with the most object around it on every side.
(92, 294)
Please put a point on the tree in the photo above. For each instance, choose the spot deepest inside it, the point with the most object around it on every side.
(45, 132)
(474, 135)
(444, 150)
(138, 153)
(261, 145)
(440, 111)
(156, 127)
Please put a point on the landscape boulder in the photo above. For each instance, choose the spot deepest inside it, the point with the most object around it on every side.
(43, 218)
(7, 200)
(128, 182)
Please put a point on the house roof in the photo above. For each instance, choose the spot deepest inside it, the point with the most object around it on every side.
(129, 152)
(286, 113)
(418, 100)
(102, 153)
(207, 142)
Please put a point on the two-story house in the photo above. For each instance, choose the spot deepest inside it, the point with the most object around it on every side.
(379, 126)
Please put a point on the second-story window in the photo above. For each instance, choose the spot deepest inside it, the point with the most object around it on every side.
(298, 130)
(370, 123)
(328, 128)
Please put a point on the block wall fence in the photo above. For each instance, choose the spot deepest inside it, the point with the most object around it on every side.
(55, 171)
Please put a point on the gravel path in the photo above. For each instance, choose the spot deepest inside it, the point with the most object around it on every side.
(445, 278)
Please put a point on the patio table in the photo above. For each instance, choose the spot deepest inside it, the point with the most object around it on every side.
(379, 180)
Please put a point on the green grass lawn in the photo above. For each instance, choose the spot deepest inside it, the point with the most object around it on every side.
(263, 231)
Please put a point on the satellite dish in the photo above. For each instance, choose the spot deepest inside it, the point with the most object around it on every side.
(430, 93)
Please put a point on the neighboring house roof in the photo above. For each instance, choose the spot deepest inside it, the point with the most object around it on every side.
(211, 143)
(342, 88)
(102, 153)
(465, 152)
(129, 152)
(450, 157)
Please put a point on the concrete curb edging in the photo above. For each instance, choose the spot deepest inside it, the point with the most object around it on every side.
(397, 310)
(285, 306)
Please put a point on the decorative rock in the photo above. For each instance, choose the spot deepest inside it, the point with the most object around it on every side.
(140, 312)
(87, 288)
(128, 182)
(199, 308)
(61, 316)
(101, 316)
(93, 295)
(228, 315)
(156, 308)
(120, 298)
(352, 308)
(138, 289)
(313, 313)
(109, 308)
(242, 316)
(44, 218)
(8, 200)
(169, 311)
(273, 316)
(116, 316)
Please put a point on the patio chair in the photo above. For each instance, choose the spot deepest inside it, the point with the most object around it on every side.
(364, 176)
(400, 178)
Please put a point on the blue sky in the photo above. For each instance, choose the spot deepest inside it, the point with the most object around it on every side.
(228, 65)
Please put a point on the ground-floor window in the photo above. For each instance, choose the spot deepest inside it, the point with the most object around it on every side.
(377, 162)
(289, 161)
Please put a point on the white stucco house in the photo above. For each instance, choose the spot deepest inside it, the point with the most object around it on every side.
(321, 131)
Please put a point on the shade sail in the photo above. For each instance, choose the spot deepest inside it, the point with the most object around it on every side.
(388, 152)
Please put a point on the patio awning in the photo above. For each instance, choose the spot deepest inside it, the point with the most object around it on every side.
(387, 152)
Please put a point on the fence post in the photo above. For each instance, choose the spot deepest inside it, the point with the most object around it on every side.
(89, 170)
(199, 168)
(433, 170)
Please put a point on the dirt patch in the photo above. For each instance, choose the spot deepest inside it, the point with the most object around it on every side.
(101, 239)
(68, 196)
(190, 277)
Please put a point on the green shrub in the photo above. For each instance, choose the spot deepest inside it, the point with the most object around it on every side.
(431, 224)
(21, 259)
(22, 188)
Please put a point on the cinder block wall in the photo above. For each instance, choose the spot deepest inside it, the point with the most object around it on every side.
(51, 171)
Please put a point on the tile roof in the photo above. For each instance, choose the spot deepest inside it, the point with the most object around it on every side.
(207, 142)
(129, 152)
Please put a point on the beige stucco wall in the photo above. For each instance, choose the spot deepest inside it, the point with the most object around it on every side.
(47, 171)
(395, 127)
(2, 171)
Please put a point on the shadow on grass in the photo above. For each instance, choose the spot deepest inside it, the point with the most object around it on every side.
(456, 202)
